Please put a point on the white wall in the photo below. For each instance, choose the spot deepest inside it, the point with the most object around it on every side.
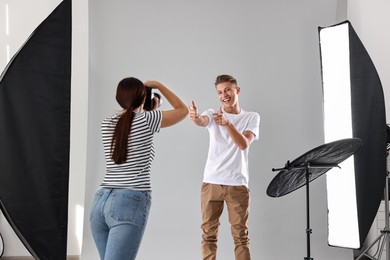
(79, 125)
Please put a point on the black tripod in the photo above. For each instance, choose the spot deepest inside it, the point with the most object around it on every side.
(306, 167)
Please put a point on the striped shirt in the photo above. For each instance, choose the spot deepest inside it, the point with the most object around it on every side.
(135, 172)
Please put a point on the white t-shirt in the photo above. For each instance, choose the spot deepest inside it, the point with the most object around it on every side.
(226, 163)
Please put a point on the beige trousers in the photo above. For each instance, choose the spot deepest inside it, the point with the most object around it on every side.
(213, 197)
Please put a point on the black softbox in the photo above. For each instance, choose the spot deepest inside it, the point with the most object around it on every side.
(35, 137)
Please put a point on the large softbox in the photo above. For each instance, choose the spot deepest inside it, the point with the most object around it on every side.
(353, 106)
(35, 137)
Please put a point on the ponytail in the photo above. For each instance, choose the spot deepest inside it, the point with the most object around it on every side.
(130, 94)
(120, 137)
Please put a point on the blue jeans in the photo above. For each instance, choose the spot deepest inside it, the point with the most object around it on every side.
(118, 218)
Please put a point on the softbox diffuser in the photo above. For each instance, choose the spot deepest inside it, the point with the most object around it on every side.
(35, 137)
(353, 106)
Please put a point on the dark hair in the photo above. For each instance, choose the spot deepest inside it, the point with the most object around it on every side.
(225, 78)
(130, 95)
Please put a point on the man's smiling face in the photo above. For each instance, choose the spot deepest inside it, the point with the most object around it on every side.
(228, 94)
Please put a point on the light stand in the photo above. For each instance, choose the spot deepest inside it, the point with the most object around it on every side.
(382, 239)
(306, 168)
(309, 167)
(308, 229)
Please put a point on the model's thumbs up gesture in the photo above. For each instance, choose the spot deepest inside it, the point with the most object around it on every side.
(193, 111)
(195, 117)
(220, 118)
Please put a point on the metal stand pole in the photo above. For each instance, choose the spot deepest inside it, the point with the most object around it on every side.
(306, 166)
(308, 229)
(387, 216)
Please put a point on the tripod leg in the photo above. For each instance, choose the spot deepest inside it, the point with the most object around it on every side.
(364, 253)
(382, 245)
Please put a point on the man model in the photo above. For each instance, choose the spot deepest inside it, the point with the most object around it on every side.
(226, 175)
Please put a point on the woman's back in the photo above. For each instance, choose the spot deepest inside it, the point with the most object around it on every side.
(135, 172)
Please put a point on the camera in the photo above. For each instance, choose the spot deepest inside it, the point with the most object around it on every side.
(153, 100)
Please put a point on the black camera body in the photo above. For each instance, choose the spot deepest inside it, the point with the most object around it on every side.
(150, 101)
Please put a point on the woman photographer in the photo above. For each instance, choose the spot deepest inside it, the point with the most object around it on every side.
(120, 209)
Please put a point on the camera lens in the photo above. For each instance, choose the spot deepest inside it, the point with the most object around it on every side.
(148, 106)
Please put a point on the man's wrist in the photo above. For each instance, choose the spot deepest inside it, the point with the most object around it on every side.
(227, 124)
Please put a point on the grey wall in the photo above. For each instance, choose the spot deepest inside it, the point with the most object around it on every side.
(272, 48)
